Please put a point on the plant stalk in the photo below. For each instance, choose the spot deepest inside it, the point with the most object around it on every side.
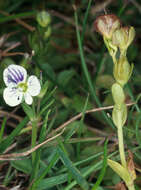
(121, 147)
(122, 154)
(34, 137)
(131, 186)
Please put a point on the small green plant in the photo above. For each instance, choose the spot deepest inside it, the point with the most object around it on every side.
(29, 91)
(56, 140)
(117, 40)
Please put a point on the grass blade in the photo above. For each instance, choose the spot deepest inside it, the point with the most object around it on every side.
(102, 172)
(73, 170)
(85, 20)
(2, 128)
(86, 72)
(9, 140)
(15, 16)
(137, 130)
(38, 181)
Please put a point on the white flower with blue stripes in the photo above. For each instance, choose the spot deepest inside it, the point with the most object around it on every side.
(19, 86)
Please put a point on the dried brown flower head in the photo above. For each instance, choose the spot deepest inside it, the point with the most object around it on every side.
(107, 24)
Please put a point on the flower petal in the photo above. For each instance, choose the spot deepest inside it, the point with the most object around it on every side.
(12, 96)
(14, 74)
(28, 98)
(34, 86)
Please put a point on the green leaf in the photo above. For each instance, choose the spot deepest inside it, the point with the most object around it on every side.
(73, 127)
(73, 170)
(2, 128)
(8, 141)
(138, 137)
(48, 69)
(79, 102)
(40, 180)
(28, 110)
(99, 188)
(6, 62)
(44, 89)
(44, 128)
(46, 107)
(65, 76)
(52, 182)
(15, 16)
(120, 170)
(23, 165)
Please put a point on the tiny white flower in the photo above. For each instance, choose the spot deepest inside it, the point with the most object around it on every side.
(19, 87)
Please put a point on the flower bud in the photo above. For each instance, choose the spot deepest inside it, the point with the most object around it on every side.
(43, 19)
(118, 94)
(107, 24)
(119, 115)
(122, 71)
(123, 37)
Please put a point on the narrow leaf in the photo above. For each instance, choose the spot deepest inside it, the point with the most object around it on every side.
(102, 172)
(8, 141)
(73, 170)
(120, 170)
(28, 110)
(22, 165)
(52, 182)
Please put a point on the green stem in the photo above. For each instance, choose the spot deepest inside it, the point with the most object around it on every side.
(131, 187)
(122, 155)
(121, 147)
(34, 137)
(122, 53)
(34, 132)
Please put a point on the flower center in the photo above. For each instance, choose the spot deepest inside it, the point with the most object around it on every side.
(23, 86)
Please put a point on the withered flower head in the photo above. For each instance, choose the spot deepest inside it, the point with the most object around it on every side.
(107, 24)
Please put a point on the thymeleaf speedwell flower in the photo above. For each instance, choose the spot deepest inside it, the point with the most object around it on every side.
(19, 86)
